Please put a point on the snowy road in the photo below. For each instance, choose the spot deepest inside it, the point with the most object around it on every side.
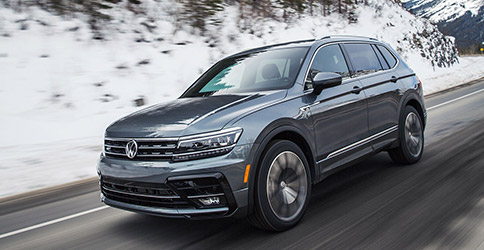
(435, 204)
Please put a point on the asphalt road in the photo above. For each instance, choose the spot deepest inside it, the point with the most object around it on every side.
(437, 203)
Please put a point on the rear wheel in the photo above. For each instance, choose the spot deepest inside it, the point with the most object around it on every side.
(411, 138)
(282, 187)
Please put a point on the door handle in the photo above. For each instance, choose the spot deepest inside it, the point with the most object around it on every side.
(393, 79)
(356, 90)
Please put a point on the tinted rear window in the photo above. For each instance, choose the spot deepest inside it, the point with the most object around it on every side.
(388, 56)
(383, 62)
(363, 58)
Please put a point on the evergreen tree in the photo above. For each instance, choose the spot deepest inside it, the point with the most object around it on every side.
(297, 5)
(291, 7)
(197, 13)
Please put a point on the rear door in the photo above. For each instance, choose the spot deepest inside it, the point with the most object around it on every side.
(380, 84)
(339, 113)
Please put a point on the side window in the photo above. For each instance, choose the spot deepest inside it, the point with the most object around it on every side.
(328, 59)
(363, 58)
(388, 56)
(382, 60)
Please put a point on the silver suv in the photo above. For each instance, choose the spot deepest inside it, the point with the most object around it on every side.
(258, 129)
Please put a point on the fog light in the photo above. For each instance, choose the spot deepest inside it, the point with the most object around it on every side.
(210, 201)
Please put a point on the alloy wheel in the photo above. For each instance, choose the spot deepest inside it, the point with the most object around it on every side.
(413, 134)
(287, 185)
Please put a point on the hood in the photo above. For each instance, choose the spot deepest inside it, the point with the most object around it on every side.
(185, 116)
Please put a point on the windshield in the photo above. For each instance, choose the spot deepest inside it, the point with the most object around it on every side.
(258, 71)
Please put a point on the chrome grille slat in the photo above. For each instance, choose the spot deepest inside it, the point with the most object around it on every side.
(118, 154)
(154, 155)
(142, 139)
(158, 147)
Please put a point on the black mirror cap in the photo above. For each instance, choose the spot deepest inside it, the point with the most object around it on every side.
(323, 80)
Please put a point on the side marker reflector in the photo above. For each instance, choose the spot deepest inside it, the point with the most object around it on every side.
(246, 176)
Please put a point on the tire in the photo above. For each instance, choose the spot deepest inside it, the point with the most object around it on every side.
(282, 188)
(411, 138)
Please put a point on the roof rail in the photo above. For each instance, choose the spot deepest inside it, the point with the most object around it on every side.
(273, 45)
(348, 36)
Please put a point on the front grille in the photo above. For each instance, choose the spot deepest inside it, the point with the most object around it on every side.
(147, 148)
(178, 192)
(144, 194)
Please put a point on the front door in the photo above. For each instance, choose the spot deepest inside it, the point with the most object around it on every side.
(339, 114)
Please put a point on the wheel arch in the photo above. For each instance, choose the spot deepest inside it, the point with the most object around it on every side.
(280, 130)
(413, 100)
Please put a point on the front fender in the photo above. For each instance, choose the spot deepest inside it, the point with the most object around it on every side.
(271, 131)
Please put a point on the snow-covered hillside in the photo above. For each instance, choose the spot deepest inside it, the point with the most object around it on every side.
(463, 19)
(62, 83)
(444, 10)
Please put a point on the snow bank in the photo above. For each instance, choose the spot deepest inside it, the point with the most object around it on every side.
(434, 80)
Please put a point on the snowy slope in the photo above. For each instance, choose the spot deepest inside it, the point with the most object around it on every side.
(60, 88)
(443, 10)
(462, 19)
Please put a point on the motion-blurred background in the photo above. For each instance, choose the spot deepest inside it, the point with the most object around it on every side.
(68, 68)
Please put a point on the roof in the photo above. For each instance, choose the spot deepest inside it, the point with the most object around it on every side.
(307, 43)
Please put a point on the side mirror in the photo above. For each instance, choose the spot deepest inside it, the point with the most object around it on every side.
(323, 80)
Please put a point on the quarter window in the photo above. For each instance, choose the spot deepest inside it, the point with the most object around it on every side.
(388, 56)
(382, 60)
(327, 59)
(363, 58)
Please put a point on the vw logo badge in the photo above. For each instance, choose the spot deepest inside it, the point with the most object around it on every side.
(131, 149)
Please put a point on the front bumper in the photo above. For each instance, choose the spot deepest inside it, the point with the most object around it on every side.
(166, 212)
(178, 189)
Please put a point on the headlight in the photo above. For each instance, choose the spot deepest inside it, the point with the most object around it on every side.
(207, 145)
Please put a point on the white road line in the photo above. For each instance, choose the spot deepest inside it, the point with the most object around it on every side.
(454, 100)
(104, 207)
(52, 222)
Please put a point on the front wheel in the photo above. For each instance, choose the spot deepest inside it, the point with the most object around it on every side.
(283, 187)
(411, 137)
